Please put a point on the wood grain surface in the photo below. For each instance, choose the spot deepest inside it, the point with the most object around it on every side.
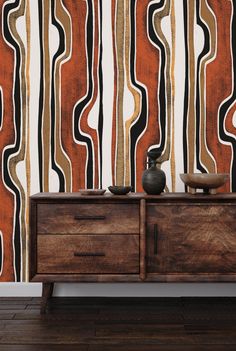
(88, 218)
(119, 324)
(166, 238)
(192, 239)
(105, 254)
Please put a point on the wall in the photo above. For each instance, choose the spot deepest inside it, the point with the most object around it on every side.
(87, 87)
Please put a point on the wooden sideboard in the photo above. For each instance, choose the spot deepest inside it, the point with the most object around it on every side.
(173, 237)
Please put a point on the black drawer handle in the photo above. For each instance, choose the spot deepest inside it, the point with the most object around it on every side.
(87, 254)
(89, 217)
(155, 238)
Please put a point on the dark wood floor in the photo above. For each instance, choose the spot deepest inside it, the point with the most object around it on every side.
(127, 324)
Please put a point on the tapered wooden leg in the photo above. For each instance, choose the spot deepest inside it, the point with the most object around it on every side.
(46, 294)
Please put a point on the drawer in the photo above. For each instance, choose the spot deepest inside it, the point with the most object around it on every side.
(91, 254)
(88, 218)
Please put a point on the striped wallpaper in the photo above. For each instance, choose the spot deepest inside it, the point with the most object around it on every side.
(88, 86)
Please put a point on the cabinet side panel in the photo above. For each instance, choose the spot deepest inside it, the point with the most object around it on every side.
(33, 239)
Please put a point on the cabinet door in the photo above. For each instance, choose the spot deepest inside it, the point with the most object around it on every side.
(196, 238)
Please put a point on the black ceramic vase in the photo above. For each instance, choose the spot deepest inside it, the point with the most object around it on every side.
(154, 179)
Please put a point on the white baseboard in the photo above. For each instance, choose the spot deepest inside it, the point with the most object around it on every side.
(121, 289)
(20, 289)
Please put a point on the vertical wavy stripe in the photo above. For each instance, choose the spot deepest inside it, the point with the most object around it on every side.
(192, 88)
(82, 131)
(1, 108)
(226, 135)
(27, 146)
(46, 117)
(135, 93)
(114, 124)
(206, 20)
(12, 153)
(172, 77)
(55, 141)
(165, 80)
(186, 90)
(74, 78)
(139, 125)
(219, 73)
(19, 156)
(120, 17)
(60, 161)
(7, 137)
(145, 60)
(100, 78)
(156, 12)
(40, 102)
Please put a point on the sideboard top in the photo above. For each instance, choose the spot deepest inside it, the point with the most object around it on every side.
(227, 197)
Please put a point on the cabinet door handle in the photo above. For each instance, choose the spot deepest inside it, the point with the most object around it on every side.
(79, 218)
(87, 254)
(155, 238)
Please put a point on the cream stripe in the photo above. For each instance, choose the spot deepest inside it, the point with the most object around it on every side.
(108, 92)
(27, 158)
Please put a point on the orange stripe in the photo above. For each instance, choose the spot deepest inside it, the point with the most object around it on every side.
(147, 74)
(74, 80)
(84, 117)
(218, 75)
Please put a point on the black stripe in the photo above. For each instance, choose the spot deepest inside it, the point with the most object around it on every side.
(186, 91)
(79, 107)
(41, 93)
(162, 87)
(141, 122)
(100, 117)
(60, 50)
(14, 149)
(224, 108)
(204, 52)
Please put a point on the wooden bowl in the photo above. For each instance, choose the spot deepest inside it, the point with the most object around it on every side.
(119, 189)
(92, 191)
(209, 182)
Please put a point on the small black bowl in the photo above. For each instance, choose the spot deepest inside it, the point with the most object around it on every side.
(119, 189)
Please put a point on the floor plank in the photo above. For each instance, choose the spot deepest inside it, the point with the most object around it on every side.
(44, 347)
(130, 324)
(125, 347)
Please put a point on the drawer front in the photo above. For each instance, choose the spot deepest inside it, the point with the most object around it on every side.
(87, 218)
(88, 254)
